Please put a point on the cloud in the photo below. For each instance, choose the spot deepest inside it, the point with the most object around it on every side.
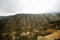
(29, 6)
(6, 13)
(11, 5)
(42, 6)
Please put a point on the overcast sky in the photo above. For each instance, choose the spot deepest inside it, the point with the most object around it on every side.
(11, 7)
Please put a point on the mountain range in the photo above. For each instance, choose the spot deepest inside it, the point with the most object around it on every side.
(36, 24)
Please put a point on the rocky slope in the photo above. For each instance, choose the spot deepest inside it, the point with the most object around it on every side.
(25, 26)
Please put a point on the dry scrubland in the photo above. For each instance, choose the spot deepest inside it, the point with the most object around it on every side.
(28, 26)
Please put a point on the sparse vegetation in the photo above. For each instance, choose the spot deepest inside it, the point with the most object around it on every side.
(28, 26)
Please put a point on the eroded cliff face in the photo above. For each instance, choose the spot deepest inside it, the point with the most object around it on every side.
(28, 26)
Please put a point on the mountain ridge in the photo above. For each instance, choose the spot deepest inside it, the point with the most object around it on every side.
(36, 24)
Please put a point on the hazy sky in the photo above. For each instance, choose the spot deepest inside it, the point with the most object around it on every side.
(8, 7)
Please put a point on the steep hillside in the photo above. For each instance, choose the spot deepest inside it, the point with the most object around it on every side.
(25, 26)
